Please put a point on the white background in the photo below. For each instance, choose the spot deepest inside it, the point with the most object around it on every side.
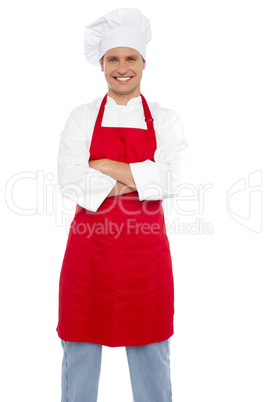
(207, 61)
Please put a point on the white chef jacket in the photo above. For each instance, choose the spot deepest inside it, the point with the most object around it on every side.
(156, 180)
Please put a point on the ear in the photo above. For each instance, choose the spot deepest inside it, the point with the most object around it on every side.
(101, 61)
(144, 64)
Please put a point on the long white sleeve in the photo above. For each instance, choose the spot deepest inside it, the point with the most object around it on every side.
(160, 179)
(86, 186)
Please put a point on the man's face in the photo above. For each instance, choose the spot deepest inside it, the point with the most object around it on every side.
(123, 68)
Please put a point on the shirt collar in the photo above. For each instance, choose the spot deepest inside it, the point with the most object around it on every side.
(132, 102)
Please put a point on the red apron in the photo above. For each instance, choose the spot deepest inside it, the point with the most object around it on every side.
(116, 283)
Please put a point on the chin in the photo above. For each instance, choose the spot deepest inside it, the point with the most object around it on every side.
(125, 91)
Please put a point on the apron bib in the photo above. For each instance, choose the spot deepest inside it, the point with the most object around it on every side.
(116, 283)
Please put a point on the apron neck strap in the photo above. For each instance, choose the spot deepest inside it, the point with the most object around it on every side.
(101, 112)
(148, 118)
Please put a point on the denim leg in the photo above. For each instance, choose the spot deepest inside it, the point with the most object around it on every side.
(81, 367)
(150, 372)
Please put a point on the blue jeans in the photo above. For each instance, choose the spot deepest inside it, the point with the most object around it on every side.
(149, 367)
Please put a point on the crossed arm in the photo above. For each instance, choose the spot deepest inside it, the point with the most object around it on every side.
(119, 171)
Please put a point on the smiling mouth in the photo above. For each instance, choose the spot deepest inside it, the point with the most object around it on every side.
(123, 79)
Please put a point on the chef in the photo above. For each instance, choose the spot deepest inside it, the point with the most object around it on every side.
(119, 157)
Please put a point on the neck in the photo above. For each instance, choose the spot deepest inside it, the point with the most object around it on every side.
(123, 99)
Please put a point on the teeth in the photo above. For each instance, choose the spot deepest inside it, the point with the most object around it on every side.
(123, 78)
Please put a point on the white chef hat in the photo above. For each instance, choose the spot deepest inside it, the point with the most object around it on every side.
(124, 27)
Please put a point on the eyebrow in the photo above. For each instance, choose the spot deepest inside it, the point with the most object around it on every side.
(115, 57)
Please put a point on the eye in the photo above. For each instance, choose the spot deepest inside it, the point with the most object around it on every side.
(112, 59)
(131, 59)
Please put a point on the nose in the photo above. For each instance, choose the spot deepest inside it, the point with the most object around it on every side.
(122, 68)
